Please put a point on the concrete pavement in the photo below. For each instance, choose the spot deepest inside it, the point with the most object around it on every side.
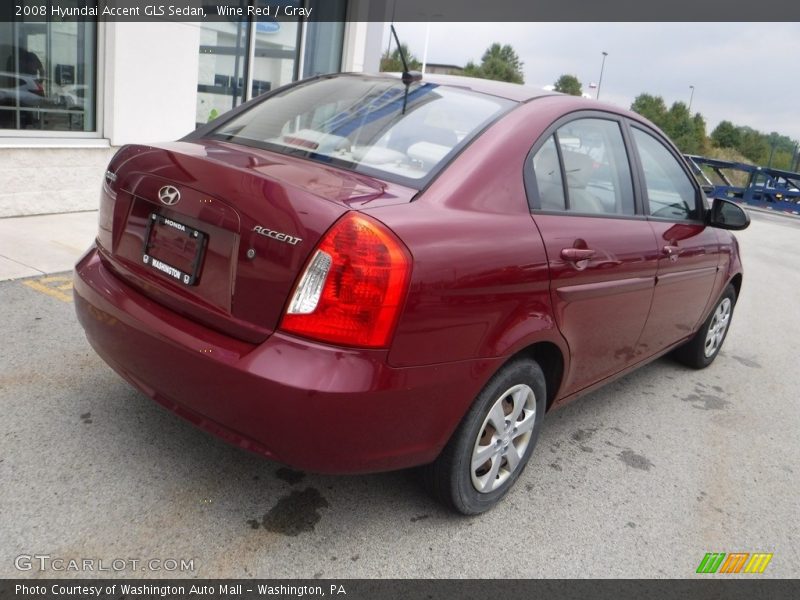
(641, 478)
(44, 244)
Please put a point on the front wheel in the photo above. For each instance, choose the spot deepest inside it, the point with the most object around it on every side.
(701, 350)
(494, 441)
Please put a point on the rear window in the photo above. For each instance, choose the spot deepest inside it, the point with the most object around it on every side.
(372, 126)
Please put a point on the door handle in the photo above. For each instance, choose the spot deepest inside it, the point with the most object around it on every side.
(672, 252)
(576, 254)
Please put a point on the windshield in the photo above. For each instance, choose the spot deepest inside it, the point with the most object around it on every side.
(374, 126)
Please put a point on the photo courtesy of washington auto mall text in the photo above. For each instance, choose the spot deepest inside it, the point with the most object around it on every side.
(76, 591)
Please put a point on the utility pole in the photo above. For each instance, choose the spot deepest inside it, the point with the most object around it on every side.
(600, 81)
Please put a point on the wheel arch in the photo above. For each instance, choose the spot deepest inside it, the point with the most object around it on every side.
(552, 361)
(736, 282)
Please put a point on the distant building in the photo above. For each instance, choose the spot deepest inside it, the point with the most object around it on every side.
(439, 69)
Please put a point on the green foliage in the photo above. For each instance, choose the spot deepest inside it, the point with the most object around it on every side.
(498, 62)
(392, 63)
(689, 134)
(687, 131)
(569, 84)
(683, 129)
(726, 135)
(700, 132)
(651, 107)
(755, 146)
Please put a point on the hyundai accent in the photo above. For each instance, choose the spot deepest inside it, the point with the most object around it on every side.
(360, 273)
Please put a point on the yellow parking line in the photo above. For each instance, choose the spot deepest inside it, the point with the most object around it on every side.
(56, 287)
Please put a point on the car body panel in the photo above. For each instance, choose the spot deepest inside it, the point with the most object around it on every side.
(686, 279)
(588, 295)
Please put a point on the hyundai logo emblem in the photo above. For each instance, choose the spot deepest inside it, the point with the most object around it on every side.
(169, 195)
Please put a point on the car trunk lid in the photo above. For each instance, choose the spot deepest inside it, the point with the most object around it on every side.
(218, 232)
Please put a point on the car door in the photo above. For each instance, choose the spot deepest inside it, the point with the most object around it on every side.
(600, 249)
(689, 251)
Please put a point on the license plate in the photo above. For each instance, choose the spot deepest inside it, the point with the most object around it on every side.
(173, 248)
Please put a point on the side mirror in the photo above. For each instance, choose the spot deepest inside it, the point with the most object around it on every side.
(727, 215)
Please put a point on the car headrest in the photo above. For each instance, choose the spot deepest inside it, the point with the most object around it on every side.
(578, 167)
(546, 165)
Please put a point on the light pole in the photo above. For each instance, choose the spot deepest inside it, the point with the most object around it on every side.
(600, 81)
(691, 96)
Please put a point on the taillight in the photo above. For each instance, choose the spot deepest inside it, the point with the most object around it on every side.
(105, 216)
(352, 290)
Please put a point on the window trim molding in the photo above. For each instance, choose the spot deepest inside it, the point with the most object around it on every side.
(529, 179)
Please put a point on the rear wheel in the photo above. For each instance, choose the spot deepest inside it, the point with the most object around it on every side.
(494, 441)
(702, 349)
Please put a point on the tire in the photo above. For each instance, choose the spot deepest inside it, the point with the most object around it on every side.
(701, 350)
(518, 388)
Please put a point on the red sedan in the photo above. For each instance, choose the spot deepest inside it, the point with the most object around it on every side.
(358, 273)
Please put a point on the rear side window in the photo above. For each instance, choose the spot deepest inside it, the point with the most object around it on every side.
(376, 126)
(547, 169)
(670, 193)
(595, 164)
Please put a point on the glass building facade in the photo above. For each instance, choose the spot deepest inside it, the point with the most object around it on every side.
(48, 76)
(49, 70)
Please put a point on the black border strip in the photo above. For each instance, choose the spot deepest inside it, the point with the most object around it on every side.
(413, 10)
(727, 587)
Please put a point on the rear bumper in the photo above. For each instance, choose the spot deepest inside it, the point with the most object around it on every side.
(311, 406)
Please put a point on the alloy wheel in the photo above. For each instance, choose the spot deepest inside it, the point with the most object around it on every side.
(503, 438)
(718, 327)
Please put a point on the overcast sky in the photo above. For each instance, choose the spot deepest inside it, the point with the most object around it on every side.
(748, 73)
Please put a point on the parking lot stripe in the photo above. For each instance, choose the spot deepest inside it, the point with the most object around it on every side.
(57, 287)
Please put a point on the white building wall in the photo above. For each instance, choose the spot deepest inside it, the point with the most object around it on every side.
(36, 180)
(151, 81)
(362, 46)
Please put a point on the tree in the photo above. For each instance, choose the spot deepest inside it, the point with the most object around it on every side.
(569, 84)
(498, 62)
(687, 131)
(754, 145)
(651, 107)
(726, 135)
(700, 134)
(730, 141)
(392, 62)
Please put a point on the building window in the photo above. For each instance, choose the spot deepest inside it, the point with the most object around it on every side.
(242, 60)
(221, 69)
(261, 52)
(48, 76)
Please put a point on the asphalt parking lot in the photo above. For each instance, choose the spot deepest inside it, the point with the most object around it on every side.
(639, 479)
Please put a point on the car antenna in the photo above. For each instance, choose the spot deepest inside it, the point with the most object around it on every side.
(408, 77)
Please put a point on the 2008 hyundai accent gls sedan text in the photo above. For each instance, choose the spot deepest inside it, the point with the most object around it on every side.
(360, 273)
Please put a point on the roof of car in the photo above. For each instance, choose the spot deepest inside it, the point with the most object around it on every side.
(511, 91)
